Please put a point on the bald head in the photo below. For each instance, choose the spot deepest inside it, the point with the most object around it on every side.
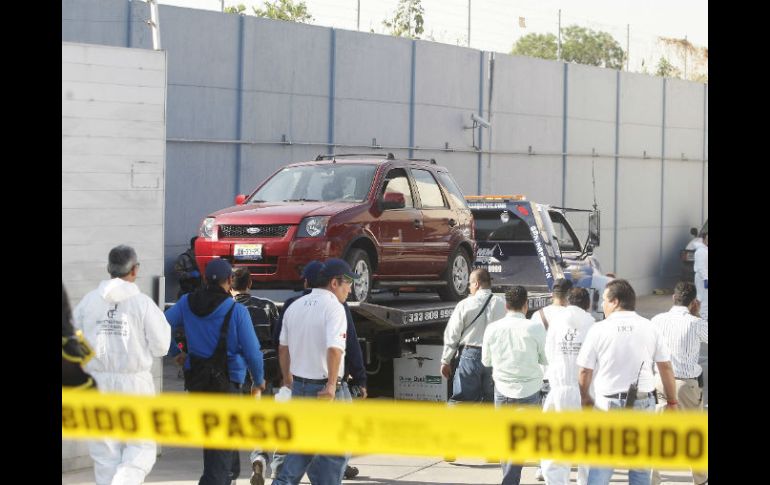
(479, 279)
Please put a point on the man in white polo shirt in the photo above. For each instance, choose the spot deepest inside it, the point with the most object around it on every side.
(311, 349)
(515, 349)
(623, 346)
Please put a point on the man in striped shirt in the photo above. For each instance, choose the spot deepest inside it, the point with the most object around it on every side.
(683, 331)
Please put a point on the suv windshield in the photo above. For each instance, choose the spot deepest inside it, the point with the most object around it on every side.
(327, 183)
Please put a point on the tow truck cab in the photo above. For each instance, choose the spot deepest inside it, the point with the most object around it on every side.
(526, 243)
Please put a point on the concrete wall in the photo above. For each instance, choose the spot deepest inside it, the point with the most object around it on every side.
(113, 171)
(249, 95)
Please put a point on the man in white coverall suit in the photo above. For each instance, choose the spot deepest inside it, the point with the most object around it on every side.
(562, 343)
(127, 330)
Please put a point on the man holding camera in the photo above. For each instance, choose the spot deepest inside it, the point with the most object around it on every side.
(623, 347)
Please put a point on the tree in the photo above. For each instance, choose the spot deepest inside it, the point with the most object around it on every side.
(586, 46)
(407, 21)
(278, 10)
(666, 69)
(536, 45)
(579, 45)
(693, 59)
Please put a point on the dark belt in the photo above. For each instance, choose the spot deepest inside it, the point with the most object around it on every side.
(699, 378)
(314, 381)
(624, 395)
(471, 346)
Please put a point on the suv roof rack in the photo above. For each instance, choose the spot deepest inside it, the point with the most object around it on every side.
(432, 161)
(389, 155)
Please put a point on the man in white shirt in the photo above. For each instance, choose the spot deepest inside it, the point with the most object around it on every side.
(683, 331)
(311, 349)
(464, 333)
(128, 332)
(515, 349)
(622, 348)
(701, 267)
(562, 343)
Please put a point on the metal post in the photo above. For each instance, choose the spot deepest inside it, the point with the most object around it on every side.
(358, 16)
(628, 44)
(222, 5)
(154, 25)
(469, 25)
(558, 47)
(685, 57)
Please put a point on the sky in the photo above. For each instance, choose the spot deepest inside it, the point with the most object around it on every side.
(495, 24)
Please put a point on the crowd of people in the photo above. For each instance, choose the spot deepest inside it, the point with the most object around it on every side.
(228, 341)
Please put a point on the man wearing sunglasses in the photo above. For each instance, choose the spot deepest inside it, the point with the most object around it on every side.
(311, 348)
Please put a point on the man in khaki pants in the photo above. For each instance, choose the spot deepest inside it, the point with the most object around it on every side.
(683, 331)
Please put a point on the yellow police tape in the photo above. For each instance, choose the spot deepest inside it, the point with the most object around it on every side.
(620, 438)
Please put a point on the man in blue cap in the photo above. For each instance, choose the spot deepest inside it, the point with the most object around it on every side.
(311, 351)
(196, 321)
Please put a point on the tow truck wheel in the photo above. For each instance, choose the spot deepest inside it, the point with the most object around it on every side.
(359, 262)
(457, 274)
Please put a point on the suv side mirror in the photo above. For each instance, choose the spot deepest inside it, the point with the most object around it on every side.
(240, 199)
(593, 229)
(393, 200)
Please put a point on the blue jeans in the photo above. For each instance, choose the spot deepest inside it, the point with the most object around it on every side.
(512, 471)
(321, 469)
(472, 381)
(220, 467)
(602, 476)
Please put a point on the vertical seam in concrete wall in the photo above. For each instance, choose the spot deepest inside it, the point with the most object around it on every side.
(481, 113)
(412, 90)
(128, 23)
(617, 165)
(332, 88)
(239, 107)
(564, 143)
(662, 178)
(703, 161)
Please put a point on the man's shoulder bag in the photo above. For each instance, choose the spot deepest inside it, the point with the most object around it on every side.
(211, 374)
(456, 359)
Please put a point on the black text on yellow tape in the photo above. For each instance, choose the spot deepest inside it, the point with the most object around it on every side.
(619, 438)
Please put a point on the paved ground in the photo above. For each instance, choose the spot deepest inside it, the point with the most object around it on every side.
(182, 466)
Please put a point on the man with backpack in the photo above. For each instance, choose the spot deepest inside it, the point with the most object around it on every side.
(219, 342)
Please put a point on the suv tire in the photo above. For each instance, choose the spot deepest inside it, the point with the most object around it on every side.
(362, 287)
(457, 275)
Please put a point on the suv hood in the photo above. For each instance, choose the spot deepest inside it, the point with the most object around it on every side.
(278, 212)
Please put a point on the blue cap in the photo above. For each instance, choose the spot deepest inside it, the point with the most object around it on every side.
(337, 267)
(218, 270)
(311, 270)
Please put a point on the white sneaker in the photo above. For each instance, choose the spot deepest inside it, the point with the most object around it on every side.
(258, 468)
(539, 475)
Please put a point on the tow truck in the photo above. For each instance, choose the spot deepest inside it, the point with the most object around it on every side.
(520, 243)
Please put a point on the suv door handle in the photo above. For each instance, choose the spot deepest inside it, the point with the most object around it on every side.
(417, 223)
(452, 223)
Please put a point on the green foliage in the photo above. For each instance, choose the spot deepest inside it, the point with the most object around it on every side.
(666, 69)
(536, 45)
(279, 10)
(407, 21)
(579, 45)
(586, 46)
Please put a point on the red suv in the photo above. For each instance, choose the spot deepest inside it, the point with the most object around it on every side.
(399, 223)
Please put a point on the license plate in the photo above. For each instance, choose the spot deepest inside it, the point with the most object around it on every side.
(247, 251)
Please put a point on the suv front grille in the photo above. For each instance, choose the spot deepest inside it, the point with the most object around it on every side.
(255, 231)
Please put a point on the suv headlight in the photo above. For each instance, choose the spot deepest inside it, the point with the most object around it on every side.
(313, 226)
(208, 229)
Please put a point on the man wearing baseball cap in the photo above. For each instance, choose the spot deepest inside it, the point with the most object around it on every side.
(196, 320)
(311, 349)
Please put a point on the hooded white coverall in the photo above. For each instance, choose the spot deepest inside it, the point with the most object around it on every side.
(127, 331)
(701, 267)
(565, 336)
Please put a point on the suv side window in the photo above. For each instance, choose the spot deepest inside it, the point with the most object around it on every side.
(453, 189)
(397, 181)
(427, 187)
